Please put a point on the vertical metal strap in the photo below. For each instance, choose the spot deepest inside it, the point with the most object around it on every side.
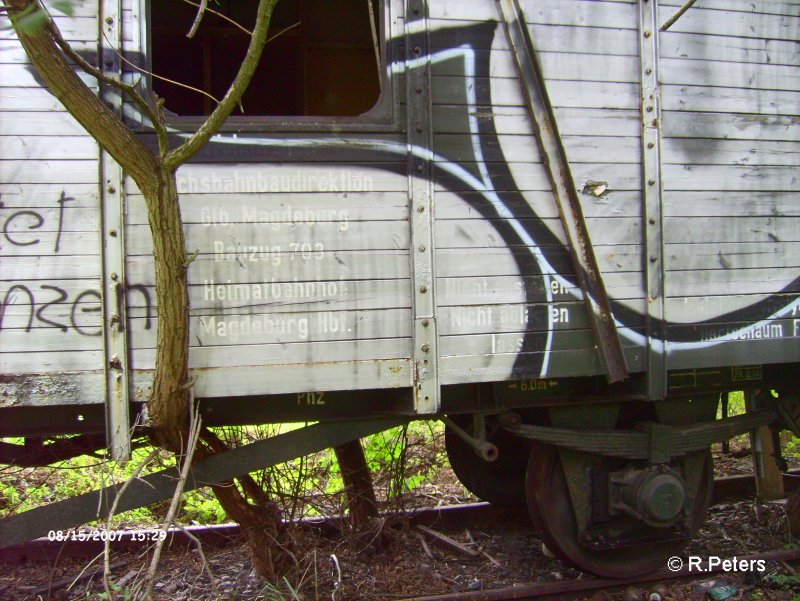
(558, 169)
(420, 188)
(115, 343)
(652, 201)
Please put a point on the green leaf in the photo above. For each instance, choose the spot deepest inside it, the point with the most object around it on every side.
(65, 6)
(32, 23)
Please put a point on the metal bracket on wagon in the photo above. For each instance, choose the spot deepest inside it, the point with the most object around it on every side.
(657, 443)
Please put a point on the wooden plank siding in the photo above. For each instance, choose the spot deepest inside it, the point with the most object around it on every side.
(302, 279)
(731, 149)
(589, 55)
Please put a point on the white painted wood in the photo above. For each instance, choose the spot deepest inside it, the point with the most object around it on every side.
(69, 388)
(285, 208)
(11, 50)
(562, 364)
(48, 267)
(468, 205)
(613, 41)
(18, 75)
(731, 204)
(616, 260)
(308, 356)
(296, 242)
(730, 23)
(571, 94)
(692, 309)
(44, 195)
(277, 379)
(40, 123)
(731, 152)
(81, 28)
(257, 327)
(730, 75)
(220, 297)
(350, 265)
(725, 282)
(724, 229)
(490, 344)
(249, 178)
(582, 13)
(46, 360)
(555, 65)
(728, 100)
(473, 234)
(731, 126)
(739, 352)
(48, 148)
(38, 242)
(728, 49)
(728, 178)
(776, 7)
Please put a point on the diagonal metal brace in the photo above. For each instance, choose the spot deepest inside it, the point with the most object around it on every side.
(555, 161)
(212, 470)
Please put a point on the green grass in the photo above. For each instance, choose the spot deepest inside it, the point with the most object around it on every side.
(400, 460)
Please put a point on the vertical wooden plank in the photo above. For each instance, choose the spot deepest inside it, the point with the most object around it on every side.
(651, 190)
(420, 186)
(769, 479)
(115, 343)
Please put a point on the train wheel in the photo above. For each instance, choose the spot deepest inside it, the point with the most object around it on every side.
(500, 482)
(550, 506)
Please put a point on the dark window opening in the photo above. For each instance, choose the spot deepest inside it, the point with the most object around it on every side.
(323, 58)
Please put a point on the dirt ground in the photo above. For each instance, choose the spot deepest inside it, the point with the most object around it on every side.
(403, 562)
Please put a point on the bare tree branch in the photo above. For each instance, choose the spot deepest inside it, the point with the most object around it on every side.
(222, 16)
(198, 18)
(81, 102)
(247, 69)
(188, 458)
(129, 89)
(671, 21)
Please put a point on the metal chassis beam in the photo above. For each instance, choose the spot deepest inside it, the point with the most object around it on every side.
(652, 200)
(424, 354)
(558, 169)
(112, 229)
(161, 485)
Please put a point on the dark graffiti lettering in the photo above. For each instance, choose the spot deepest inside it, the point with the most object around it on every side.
(61, 202)
(81, 304)
(10, 298)
(73, 312)
(39, 221)
(62, 296)
(148, 303)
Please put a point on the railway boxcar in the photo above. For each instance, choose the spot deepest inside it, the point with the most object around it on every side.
(565, 225)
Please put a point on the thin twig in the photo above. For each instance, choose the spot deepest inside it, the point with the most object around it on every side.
(375, 42)
(282, 31)
(194, 435)
(86, 567)
(206, 565)
(98, 73)
(221, 16)
(112, 511)
(671, 21)
(151, 74)
(201, 10)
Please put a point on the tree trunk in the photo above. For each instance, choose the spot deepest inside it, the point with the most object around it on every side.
(357, 478)
(168, 406)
